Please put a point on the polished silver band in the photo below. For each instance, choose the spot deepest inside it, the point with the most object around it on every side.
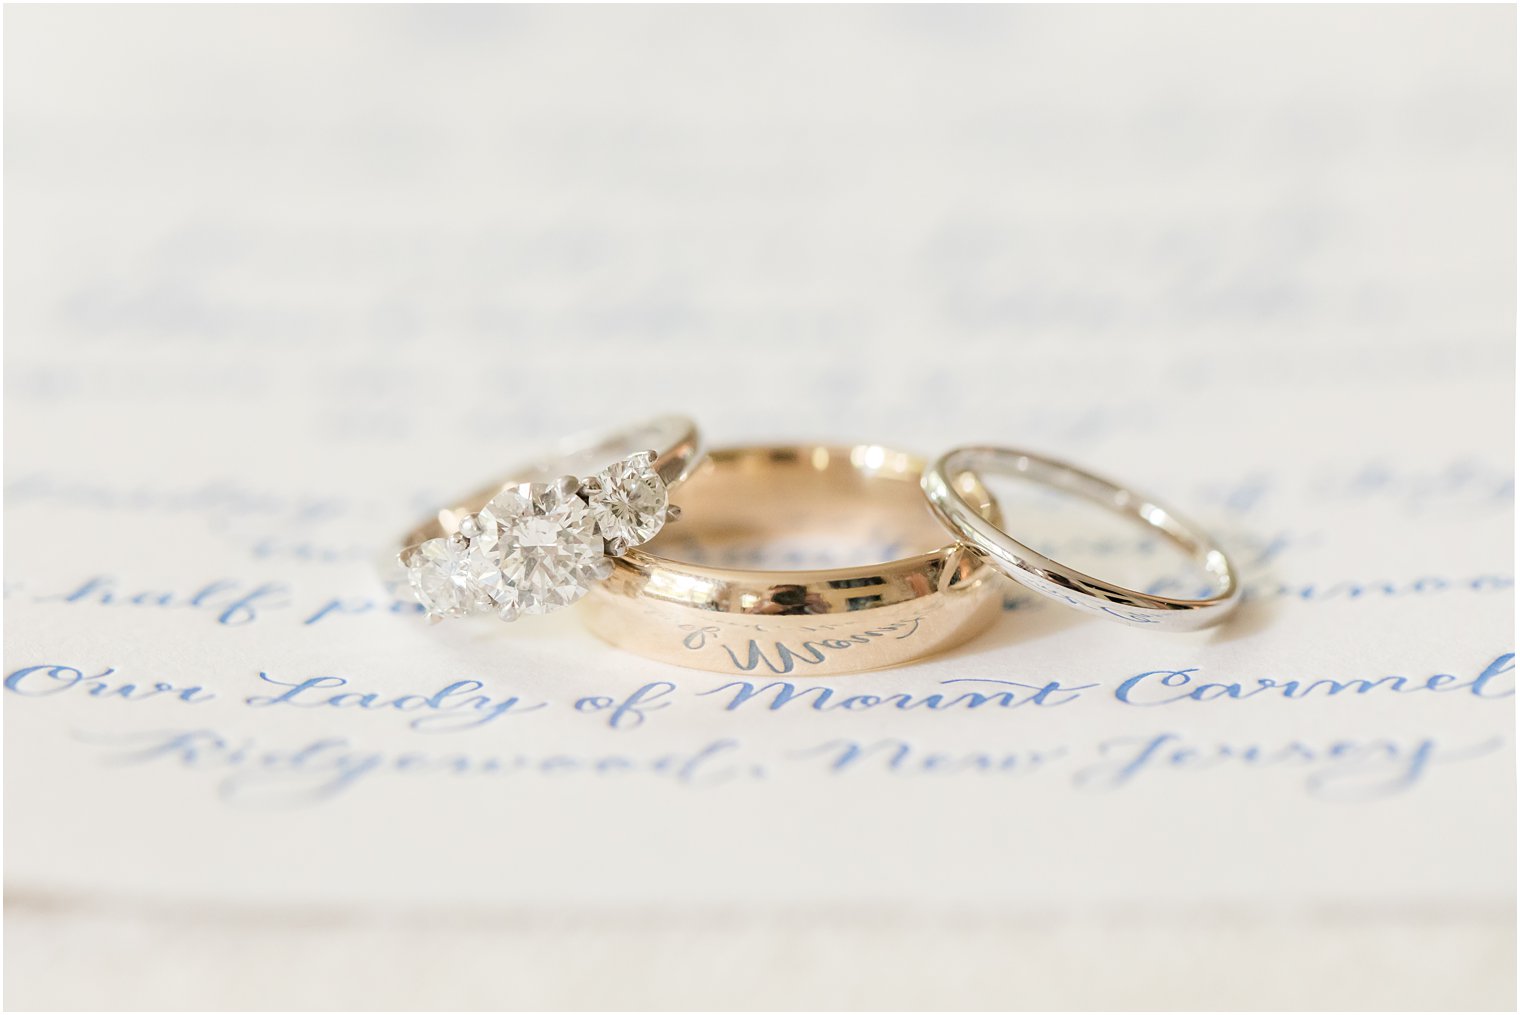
(1050, 578)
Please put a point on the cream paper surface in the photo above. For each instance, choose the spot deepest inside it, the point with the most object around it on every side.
(280, 279)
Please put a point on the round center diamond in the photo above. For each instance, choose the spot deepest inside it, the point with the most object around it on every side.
(543, 541)
(628, 500)
(446, 576)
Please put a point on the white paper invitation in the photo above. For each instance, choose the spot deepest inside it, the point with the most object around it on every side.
(280, 280)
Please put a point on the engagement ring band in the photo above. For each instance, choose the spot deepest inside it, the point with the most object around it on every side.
(536, 541)
(722, 594)
(942, 485)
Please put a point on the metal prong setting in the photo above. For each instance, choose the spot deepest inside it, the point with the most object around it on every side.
(591, 489)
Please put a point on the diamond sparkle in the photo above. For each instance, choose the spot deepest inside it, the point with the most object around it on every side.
(628, 500)
(543, 541)
(537, 547)
(446, 576)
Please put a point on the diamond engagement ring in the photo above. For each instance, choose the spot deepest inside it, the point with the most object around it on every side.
(537, 541)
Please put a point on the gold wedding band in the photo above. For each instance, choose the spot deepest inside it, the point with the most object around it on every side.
(679, 599)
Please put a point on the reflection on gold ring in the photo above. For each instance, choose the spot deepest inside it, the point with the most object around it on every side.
(888, 584)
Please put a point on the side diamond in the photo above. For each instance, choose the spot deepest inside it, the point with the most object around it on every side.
(446, 577)
(628, 500)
